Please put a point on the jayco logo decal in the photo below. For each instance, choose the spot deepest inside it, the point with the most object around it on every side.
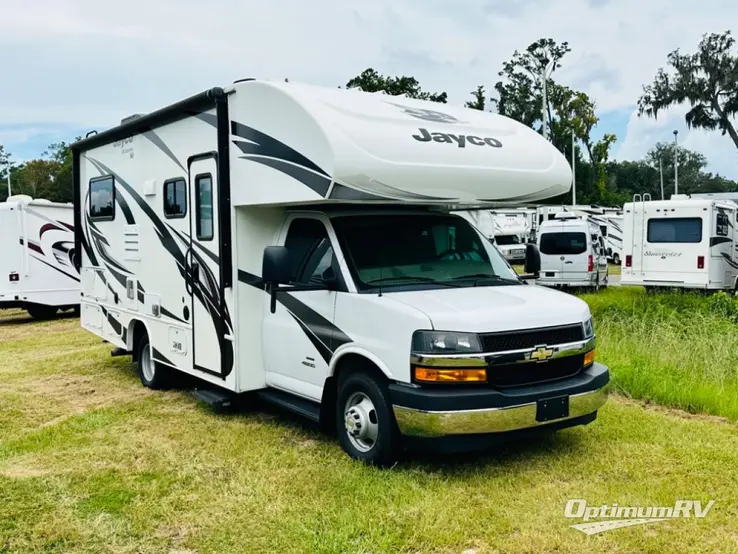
(461, 140)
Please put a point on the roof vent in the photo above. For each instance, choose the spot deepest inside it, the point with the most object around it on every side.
(131, 118)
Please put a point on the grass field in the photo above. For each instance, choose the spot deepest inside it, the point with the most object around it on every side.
(90, 461)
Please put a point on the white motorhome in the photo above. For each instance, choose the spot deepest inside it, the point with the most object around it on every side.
(483, 220)
(680, 243)
(572, 252)
(511, 234)
(36, 256)
(294, 242)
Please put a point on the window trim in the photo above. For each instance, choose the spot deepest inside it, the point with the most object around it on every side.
(199, 236)
(648, 230)
(89, 192)
(164, 198)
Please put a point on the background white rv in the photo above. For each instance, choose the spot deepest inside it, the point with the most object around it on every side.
(681, 243)
(36, 256)
(572, 252)
(512, 230)
(295, 242)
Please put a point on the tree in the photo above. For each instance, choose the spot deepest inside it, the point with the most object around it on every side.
(690, 167)
(479, 101)
(371, 81)
(707, 80)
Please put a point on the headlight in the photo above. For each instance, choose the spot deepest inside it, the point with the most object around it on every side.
(588, 329)
(443, 342)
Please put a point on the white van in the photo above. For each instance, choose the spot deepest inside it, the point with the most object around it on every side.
(293, 243)
(573, 253)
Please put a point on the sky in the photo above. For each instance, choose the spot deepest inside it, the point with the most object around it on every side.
(70, 66)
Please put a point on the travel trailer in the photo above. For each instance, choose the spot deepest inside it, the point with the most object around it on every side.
(680, 243)
(572, 252)
(511, 234)
(295, 243)
(36, 260)
(483, 220)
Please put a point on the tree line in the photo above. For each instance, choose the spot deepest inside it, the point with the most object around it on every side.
(706, 80)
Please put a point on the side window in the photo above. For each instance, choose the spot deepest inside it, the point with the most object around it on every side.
(311, 251)
(102, 199)
(175, 198)
(204, 206)
(722, 225)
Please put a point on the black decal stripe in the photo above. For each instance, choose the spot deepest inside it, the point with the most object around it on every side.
(320, 346)
(250, 279)
(156, 139)
(264, 145)
(729, 260)
(114, 323)
(48, 227)
(33, 246)
(341, 192)
(310, 179)
(56, 268)
(158, 356)
(714, 241)
(209, 118)
(125, 208)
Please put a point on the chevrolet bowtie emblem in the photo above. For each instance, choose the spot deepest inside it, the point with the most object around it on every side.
(541, 354)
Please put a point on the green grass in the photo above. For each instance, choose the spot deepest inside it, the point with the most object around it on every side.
(674, 349)
(90, 461)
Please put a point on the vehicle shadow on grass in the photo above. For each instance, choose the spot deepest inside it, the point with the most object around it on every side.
(543, 443)
(23, 318)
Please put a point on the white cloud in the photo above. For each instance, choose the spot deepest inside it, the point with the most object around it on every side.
(87, 63)
(643, 133)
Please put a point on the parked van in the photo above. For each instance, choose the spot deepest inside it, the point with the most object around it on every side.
(573, 253)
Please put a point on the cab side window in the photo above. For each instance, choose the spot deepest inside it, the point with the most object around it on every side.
(312, 254)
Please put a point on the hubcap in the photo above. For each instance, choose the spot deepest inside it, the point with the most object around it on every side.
(147, 364)
(360, 420)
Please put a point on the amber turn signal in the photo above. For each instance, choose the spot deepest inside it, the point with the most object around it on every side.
(432, 375)
(589, 358)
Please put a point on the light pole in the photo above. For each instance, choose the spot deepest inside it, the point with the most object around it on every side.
(573, 169)
(661, 175)
(7, 167)
(676, 164)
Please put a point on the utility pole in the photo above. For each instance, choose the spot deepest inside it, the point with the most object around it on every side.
(545, 106)
(676, 164)
(573, 169)
(661, 174)
(7, 167)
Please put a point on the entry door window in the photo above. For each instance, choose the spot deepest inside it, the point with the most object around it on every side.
(204, 201)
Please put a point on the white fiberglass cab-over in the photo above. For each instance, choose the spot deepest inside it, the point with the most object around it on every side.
(295, 242)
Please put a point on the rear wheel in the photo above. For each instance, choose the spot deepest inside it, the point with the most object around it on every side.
(366, 425)
(152, 374)
(37, 311)
(616, 259)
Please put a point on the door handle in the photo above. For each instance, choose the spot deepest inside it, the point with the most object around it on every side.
(569, 262)
(195, 271)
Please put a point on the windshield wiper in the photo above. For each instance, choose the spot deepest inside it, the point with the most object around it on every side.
(411, 278)
(487, 276)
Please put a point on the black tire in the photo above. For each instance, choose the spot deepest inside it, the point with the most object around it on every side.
(616, 259)
(37, 311)
(385, 449)
(159, 377)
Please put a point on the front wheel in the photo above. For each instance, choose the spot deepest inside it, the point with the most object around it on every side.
(366, 425)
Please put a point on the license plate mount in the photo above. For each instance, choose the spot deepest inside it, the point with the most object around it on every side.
(549, 409)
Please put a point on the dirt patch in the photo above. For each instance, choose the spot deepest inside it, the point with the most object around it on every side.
(676, 412)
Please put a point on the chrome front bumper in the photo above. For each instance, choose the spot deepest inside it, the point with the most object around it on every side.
(418, 423)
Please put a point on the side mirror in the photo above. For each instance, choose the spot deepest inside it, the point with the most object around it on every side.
(276, 267)
(532, 260)
(330, 279)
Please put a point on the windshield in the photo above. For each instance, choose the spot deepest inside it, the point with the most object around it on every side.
(419, 251)
(563, 243)
(505, 240)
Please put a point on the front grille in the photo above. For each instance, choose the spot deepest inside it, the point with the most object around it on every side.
(530, 373)
(530, 338)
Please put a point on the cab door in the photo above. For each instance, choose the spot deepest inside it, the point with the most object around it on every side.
(298, 336)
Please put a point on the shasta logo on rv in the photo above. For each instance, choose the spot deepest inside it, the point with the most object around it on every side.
(461, 140)
(662, 254)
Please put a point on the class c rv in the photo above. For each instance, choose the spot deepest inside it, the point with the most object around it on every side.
(682, 243)
(294, 243)
(37, 256)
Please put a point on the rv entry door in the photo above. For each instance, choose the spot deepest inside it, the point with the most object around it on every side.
(203, 273)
